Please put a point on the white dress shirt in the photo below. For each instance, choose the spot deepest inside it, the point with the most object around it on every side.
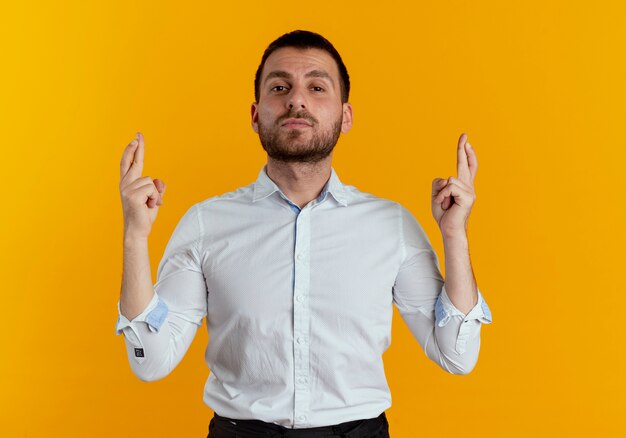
(298, 303)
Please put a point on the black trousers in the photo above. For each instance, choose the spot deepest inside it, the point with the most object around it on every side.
(223, 427)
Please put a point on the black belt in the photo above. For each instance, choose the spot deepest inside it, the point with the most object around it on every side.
(258, 427)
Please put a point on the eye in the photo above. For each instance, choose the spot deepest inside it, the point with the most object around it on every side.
(317, 88)
(279, 88)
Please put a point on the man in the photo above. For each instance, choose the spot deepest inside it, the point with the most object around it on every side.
(297, 272)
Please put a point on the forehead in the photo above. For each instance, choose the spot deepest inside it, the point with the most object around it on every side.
(300, 61)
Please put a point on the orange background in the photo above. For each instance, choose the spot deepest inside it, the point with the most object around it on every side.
(538, 87)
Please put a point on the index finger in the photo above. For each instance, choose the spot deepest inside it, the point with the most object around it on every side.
(127, 157)
(136, 166)
(462, 165)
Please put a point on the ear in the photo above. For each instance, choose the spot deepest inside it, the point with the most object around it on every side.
(346, 123)
(254, 114)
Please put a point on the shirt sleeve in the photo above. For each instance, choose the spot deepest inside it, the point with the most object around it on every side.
(449, 338)
(154, 316)
(158, 338)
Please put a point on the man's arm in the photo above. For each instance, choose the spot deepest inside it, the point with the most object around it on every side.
(445, 317)
(141, 198)
(449, 337)
(158, 338)
(452, 202)
(158, 322)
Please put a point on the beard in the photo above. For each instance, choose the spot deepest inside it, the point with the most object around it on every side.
(284, 146)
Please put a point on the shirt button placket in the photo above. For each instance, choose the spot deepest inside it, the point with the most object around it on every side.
(301, 315)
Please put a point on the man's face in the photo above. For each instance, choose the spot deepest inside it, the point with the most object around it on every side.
(300, 115)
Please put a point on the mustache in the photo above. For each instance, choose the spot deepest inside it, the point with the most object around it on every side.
(301, 114)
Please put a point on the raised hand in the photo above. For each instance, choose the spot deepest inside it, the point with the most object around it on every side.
(141, 196)
(453, 198)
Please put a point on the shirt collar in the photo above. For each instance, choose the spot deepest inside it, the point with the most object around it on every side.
(264, 187)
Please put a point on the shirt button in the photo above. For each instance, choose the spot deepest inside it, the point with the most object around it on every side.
(300, 341)
(301, 380)
(300, 298)
(299, 256)
(302, 417)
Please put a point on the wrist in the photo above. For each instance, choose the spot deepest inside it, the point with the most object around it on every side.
(132, 239)
(454, 236)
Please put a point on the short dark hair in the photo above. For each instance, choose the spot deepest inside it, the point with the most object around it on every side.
(303, 39)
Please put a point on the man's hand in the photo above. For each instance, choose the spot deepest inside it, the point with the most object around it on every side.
(141, 196)
(453, 198)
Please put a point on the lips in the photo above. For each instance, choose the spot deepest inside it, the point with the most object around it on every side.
(296, 123)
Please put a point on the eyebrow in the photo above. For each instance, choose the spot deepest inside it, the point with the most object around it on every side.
(311, 74)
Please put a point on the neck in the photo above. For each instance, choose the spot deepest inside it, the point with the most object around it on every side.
(300, 182)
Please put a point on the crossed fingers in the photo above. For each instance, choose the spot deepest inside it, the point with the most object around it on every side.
(131, 165)
(459, 190)
(467, 163)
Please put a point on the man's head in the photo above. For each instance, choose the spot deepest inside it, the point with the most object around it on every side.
(301, 91)
(303, 39)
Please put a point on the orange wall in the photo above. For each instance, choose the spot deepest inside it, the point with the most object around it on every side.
(538, 87)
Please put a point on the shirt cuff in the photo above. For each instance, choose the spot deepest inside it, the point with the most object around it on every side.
(445, 310)
(153, 315)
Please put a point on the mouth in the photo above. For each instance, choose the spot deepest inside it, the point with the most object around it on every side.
(296, 124)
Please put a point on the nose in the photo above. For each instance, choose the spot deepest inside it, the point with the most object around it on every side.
(296, 99)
